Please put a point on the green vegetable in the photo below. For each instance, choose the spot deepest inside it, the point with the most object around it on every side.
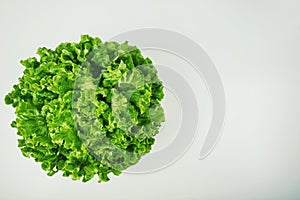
(87, 108)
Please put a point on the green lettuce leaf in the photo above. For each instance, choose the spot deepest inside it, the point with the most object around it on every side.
(87, 108)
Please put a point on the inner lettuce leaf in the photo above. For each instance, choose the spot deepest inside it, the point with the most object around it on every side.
(87, 108)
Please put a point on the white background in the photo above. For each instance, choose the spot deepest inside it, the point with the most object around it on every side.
(255, 46)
